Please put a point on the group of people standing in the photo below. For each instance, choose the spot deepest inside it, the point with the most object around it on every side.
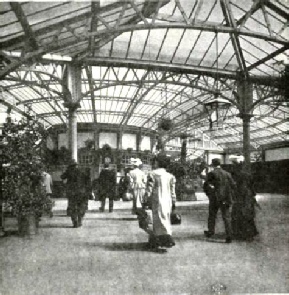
(154, 199)
(154, 193)
(234, 195)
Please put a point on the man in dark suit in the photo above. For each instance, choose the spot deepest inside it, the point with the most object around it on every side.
(107, 187)
(220, 188)
(76, 192)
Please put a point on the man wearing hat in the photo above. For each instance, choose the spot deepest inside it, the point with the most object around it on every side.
(137, 184)
(107, 187)
(222, 189)
(76, 193)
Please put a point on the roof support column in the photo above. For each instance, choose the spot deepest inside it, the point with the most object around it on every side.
(119, 139)
(153, 139)
(73, 80)
(184, 150)
(160, 141)
(139, 138)
(72, 133)
(96, 136)
(91, 88)
(245, 92)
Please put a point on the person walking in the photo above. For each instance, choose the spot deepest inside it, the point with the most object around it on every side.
(47, 183)
(124, 186)
(160, 196)
(76, 193)
(243, 209)
(137, 183)
(107, 187)
(221, 188)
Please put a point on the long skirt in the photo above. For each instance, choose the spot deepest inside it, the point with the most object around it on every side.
(138, 195)
(146, 222)
(243, 220)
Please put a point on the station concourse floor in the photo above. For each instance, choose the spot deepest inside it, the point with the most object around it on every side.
(107, 255)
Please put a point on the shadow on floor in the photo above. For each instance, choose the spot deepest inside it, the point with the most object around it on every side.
(110, 218)
(55, 226)
(218, 238)
(143, 247)
(117, 246)
(188, 236)
(125, 246)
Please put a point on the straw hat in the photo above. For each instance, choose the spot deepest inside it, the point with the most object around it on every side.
(136, 161)
(236, 159)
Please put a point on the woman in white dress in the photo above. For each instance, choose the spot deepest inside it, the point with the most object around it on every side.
(160, 192)
(137, 184)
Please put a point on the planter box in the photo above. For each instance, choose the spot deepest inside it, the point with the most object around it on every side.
(188, 197)
(186, 190)
(25, 227)
(10, 224)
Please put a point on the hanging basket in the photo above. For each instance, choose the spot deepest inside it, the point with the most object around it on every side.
(27, 225)
(165, 124)
(184, 136)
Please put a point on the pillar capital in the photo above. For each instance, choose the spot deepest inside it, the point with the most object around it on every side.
(245, 117)
(72, 106)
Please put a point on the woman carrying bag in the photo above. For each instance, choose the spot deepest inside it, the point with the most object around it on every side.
(160, 198)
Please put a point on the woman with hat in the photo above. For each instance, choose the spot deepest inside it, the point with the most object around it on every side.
(137, 184)
(161, 196)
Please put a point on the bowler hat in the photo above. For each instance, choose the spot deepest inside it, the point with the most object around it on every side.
(216, 162)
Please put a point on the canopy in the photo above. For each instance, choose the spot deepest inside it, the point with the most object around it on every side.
(150, 59)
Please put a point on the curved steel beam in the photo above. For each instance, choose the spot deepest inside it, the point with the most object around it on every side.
(17, 63)
(274, 125)
(257, 139)
(207, 27)
(210, 90)
(58, 113)
(177, 68)
(33, 83)
(25, 69)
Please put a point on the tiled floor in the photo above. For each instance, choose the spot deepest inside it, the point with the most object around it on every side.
(107, 255)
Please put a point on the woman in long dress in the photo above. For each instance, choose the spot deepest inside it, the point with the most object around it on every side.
(243, 210)
(160, 192)
(137, 184)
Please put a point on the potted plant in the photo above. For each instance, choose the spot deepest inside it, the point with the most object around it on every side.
(106, 148)
(22, 188)
(89, 144)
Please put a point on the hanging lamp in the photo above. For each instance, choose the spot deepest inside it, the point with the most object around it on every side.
(216, 107)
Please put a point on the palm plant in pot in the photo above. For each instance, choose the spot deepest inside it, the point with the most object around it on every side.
(23, 192)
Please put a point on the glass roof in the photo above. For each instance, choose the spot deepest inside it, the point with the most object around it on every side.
(144, 60)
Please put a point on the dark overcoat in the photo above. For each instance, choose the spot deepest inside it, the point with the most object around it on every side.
(107, 183)
(224, 185)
